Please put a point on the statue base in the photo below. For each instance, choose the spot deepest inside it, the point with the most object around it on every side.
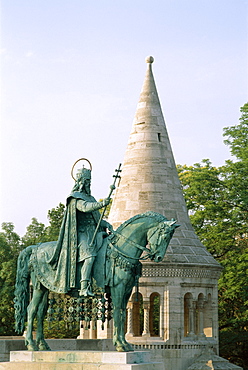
(80, 360)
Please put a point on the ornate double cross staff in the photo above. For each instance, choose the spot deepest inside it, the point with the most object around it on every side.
(112, 188)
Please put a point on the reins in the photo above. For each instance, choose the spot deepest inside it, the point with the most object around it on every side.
(136, 245)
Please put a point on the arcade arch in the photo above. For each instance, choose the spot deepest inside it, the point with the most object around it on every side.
(198, 322)
(143, 315)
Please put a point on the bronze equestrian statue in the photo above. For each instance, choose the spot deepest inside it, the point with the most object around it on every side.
(87, 249)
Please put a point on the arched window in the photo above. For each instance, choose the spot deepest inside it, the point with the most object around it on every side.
(154, 315)
(138, 315)
(189, 316)
(208, 317)
(198, 321)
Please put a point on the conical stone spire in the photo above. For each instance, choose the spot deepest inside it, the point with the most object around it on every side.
(149, 179)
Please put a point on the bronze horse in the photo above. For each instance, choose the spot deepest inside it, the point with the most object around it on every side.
(123, 250)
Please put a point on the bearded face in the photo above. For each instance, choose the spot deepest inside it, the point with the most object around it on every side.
(83, 182)
(87, 184)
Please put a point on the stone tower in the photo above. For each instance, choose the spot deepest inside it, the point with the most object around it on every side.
(178, 297)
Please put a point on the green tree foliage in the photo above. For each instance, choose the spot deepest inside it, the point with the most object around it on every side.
(10, 246)
(55, 331)
(217, 199)
(233, 285)
(35, 234)
(11, 237)
(154, 315)
(204, 194)
(55, 217)
(236, 136)
(9, 250)
(235, 173)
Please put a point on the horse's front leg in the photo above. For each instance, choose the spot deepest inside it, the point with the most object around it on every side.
(122, 338)
(117, 317)
(126, 297)
(42, 309)
(31, 313)
(120, 294)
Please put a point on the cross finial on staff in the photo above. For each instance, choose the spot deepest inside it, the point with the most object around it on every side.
(118, 170)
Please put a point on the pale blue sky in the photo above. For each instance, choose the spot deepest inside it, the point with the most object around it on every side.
(72, 72)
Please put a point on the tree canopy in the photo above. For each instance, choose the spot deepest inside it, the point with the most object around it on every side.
(217, 200)
(9, 250)
(10, 246)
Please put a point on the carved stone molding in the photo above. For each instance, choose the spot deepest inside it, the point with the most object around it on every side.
(180, 272)
(170, 346)
(153, 283)
(200, 285)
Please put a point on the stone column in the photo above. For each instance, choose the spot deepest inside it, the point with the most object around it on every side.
(146, 331)
(84, 333)
(215, 326)
(129, 320)
(107, 332)
(191, 308)
(130, 332)
(200, 307)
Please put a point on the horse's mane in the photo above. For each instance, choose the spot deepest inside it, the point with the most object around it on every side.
(158, 217)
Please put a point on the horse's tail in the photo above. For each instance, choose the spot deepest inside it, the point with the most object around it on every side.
(21, 299)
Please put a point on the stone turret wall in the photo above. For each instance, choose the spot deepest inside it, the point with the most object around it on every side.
(149, 179)
(186, 281)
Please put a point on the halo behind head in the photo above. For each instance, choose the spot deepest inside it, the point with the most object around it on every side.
(81, 172)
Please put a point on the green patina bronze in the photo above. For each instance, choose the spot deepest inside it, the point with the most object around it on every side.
(88, 249)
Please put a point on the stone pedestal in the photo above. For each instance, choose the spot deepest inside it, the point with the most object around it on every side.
(81, 360)
(7, 345)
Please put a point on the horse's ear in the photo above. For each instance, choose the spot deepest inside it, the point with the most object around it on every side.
(173, 222)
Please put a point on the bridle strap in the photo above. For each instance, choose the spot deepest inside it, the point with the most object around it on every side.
(127, 256)
(132, 242)
(138, 246)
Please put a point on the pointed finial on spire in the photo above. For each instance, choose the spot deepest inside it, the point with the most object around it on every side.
(149, 59)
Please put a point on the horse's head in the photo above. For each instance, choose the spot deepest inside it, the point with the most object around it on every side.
(159, 237)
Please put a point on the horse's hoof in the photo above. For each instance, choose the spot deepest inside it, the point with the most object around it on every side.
(120, 349)
(43, 346)
(32, 347)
